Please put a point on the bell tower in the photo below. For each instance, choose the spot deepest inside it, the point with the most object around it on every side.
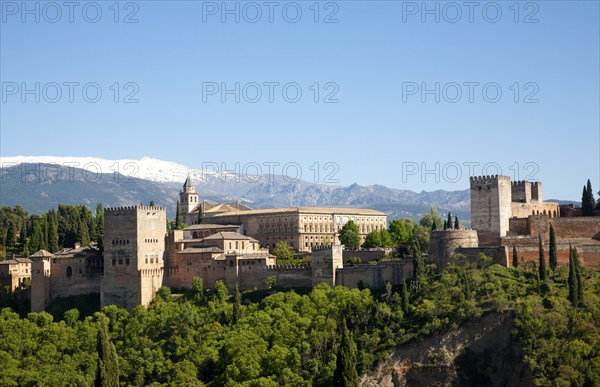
(188, 200)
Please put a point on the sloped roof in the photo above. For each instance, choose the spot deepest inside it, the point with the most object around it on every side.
(229, 235)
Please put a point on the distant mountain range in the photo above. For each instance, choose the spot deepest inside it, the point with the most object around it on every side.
(40, 183)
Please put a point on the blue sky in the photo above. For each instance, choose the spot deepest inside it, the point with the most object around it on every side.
(376, 60)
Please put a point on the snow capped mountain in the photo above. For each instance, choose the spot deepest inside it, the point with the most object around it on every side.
(147, 168)
(159, 180)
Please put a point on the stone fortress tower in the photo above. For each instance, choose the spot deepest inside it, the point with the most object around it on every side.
(134, 247)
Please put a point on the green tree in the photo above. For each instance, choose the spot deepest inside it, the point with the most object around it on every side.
(456, 224)
(237, 305)
(587, 200)
(428, 219)
(349, 235)
(177, 215)
(578, 270)
(151, 203)
(404, 296)
(553, 260)
(373, 239)
(542, 264)
(198, 286)
(515, 258)
(449, 221)
(572, 281)
(108, 366)
(52, 231)
(84, 235)
(283, 250)
(100, 226)
(345, 366)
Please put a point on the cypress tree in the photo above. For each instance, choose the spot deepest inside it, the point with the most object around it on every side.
(553, 260)
(108, 366)
(404, 295)
(151, 203)
(449, 221)
(237, 305)
(434, 226)
(84, 235)
(591, 203)
(177, 217)
(345, 374)
(456, 224)
(11, 235)
(52, 232)
(578, 270)
(515, 258)
(100, 226)
(573, 287)
(542, 265)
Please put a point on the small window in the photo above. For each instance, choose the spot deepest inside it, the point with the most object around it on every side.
(127, 261)
(114, 261)
(69, 271)
(120, 261)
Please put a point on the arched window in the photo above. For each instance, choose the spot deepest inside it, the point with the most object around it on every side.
(69, 271)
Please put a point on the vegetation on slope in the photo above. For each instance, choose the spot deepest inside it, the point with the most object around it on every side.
(290, 339)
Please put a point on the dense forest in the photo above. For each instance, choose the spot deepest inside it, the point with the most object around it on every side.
(218, 337)
(21, 233)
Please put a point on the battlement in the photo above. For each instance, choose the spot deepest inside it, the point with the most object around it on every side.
(487, 179)
(519, 183)
(127, 210)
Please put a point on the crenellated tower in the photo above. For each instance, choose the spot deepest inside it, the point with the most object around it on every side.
(490, 207)
(134, 248)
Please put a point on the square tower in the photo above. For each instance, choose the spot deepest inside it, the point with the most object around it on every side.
(134, 247)
(490, 206)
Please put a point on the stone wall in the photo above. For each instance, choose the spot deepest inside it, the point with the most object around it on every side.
(443, 243)
(375, 276)
(365, 255)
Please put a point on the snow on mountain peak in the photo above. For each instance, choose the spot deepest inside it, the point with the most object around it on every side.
(147, 168)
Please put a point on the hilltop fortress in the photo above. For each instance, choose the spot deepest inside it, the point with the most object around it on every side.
(507, 214)
(224, 242)
(230, 242)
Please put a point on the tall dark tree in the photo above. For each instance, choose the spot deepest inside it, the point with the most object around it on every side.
(404, 296)
(515, 258)
(578, 270)
(573, 286)
(345, 374)
(587, 200)
(84, 235)
(100, 226)
(553, 260)
(177, 217)
(456, 224)
(237, 305)
(449, 221)
(108, 366)
(151, 203)
(542, 264)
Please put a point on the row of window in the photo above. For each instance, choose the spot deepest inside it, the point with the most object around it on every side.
(120, 241)
(151, 240)
(120, 261)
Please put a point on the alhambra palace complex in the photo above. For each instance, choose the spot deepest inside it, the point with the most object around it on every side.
(230, 243)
